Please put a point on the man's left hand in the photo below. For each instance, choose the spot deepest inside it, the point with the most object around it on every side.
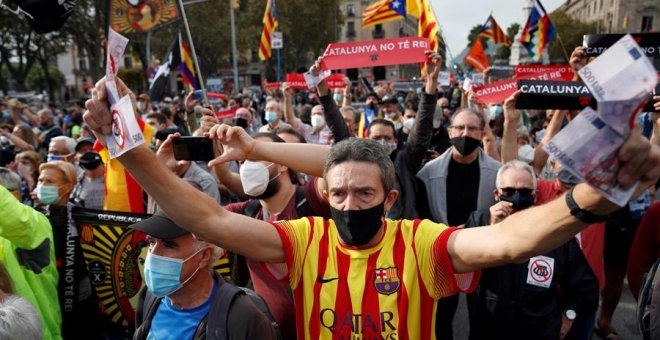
(566, 325)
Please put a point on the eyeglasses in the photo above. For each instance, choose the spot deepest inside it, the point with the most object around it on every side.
(470, 128)
(522, 191)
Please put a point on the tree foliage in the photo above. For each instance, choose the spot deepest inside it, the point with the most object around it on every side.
(571, 32)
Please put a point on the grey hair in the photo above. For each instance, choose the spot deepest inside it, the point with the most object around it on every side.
(19, 319)
(482, 121)
(515, 164)
(198, 245)
(277, 104)
(362, 150)
(10, 180)
(70, 143)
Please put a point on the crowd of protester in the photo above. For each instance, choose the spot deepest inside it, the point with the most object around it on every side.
(455, 162)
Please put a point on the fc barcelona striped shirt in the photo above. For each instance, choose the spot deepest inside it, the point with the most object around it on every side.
(387, 291)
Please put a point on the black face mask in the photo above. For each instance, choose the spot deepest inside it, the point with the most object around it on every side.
(465, 145)
(566, 177)
(519, 201)
(357, 227)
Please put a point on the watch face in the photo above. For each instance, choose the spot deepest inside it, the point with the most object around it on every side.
(570, 314)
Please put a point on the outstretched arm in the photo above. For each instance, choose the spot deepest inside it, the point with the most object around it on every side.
(188, 207)
(307, 158)
(509, 143)
(540, 156)
(540, 229)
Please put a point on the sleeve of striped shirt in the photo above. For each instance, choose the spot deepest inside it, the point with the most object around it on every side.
(295, 235)
(435, 264)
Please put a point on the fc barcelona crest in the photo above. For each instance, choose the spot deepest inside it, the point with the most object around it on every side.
(386, 280)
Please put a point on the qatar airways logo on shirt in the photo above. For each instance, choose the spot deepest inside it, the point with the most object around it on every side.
(351, 326)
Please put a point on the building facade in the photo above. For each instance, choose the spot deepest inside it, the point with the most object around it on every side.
(617, 16)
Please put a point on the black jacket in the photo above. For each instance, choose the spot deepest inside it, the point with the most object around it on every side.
(505, 306)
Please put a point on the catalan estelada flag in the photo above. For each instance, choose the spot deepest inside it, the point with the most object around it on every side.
(538, 31)
(383, 11)
(187, 67)
(122, 191)
(270, 24)
(493, 31)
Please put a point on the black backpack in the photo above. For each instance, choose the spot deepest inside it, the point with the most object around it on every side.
(220, 306)
(650, 287)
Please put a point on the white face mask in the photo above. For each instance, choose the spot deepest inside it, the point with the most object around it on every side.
(317, 121)
(255, 178)
(390, 115)
(409, 123)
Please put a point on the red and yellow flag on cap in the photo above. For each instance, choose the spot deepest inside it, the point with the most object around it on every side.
(122, 191)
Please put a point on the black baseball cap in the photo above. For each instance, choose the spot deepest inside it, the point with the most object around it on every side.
(90, 160)
(160, 226)
(82, 141)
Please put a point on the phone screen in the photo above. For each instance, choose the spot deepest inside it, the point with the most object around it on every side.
(193, 149)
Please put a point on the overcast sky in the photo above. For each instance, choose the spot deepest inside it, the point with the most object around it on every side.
(456, 17)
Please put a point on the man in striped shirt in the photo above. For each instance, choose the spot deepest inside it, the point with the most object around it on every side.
(359, 275)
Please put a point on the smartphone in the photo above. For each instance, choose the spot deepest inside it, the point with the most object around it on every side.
(199, 95)
(193, 149)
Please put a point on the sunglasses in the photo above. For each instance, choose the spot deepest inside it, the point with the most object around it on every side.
(522, 191)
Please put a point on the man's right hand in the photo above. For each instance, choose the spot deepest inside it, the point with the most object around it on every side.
(500, 211)
(578, 59)
(511, 115)
(322, 87)
(98, 115)
(190, 102)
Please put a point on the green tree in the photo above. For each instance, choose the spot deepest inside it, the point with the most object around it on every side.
(39, 80)
(474, 32)
(571, 32)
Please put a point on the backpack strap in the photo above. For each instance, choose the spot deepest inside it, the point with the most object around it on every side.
(252, 208)
(217, 325)
(149, 303)
(303, 208)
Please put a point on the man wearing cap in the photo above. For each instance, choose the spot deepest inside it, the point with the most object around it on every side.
(90, 186)
(183, 297)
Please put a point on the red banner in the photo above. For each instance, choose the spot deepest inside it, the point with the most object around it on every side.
(497, 92)
(296, 81)
(274, 85)
(563, 72)
(225, 114)
(336, 81)
(371, 53)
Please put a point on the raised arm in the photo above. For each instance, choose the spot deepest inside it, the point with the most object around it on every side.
(187, 206)
(347, 99)
(287, 94)
(540, 156)
(20, 224)
(331, 113)
(509, 143)
(540, 229)
(419, 139)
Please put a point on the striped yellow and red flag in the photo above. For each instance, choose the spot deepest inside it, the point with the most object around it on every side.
(122, 191)
(427, 26)
(270, 24)
(493, 31)
(187, 68)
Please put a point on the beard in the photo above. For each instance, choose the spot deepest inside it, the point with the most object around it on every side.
(272, 189)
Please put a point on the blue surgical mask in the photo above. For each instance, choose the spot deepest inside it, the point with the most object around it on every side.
(6, 115)
(495, 111)
(48, 194)
(162, 274)
(271, 116)
(337, 97)
(52, 158)
(166, 105)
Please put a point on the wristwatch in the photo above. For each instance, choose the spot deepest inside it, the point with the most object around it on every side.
(581, 214)
(570, 314)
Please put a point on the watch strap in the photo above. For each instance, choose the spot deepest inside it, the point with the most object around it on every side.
(581, 214)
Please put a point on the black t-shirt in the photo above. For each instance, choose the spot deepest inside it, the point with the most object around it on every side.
(462, 191)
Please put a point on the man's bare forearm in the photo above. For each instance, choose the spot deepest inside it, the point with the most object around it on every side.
(306, 158)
